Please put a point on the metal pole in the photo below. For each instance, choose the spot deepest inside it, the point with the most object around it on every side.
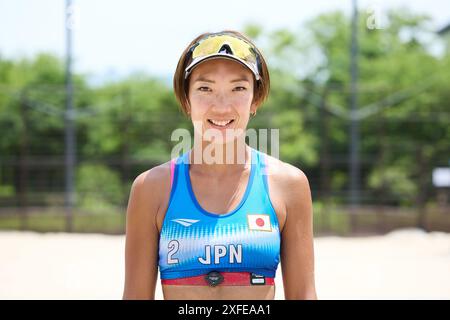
(70, 141)
(354, 123)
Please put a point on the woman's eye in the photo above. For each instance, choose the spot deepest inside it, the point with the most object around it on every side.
(241, 88)
(203, 88)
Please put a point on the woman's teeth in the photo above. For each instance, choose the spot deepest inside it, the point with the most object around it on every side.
(220, 123)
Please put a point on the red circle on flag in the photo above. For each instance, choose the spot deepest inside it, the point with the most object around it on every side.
(260, 222)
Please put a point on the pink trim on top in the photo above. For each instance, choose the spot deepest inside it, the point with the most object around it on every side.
(172, 168)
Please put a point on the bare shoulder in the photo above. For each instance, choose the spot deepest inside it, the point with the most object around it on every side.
(285, 175)
(290, 189)
(150, 187)
(153, 177)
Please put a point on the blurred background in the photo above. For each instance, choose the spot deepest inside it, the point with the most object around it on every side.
(359, 92)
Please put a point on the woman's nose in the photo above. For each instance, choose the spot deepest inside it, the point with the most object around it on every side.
(222, 100)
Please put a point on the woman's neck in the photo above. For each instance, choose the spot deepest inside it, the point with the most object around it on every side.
(220, 159)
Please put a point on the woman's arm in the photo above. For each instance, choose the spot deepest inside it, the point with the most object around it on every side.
(297, 249)
(142, 236)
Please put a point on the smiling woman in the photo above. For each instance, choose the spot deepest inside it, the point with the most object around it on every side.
(218, 229)
(223, 100)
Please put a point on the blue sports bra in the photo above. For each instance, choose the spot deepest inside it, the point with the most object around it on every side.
(194, 241)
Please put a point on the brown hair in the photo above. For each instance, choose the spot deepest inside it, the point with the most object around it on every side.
(181, 86)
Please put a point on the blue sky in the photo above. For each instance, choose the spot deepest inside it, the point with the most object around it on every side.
(114, 38)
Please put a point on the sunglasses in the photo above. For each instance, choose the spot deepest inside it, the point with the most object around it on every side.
(227, 46)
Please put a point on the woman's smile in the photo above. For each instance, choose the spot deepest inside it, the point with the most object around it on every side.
(221, 124)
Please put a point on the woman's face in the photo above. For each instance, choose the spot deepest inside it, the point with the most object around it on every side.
(220, 96)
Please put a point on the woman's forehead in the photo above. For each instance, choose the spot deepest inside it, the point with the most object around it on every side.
(220, 68)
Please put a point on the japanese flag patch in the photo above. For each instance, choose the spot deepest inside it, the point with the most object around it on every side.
(259, 222)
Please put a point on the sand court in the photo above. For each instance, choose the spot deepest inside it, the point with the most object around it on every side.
(404, 264)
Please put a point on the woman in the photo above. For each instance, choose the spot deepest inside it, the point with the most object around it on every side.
(218, 219)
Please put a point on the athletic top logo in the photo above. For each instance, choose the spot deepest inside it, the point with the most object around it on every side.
(185, 222)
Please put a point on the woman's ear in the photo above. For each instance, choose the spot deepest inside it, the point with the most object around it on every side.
(253, 108)
(188, 107)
